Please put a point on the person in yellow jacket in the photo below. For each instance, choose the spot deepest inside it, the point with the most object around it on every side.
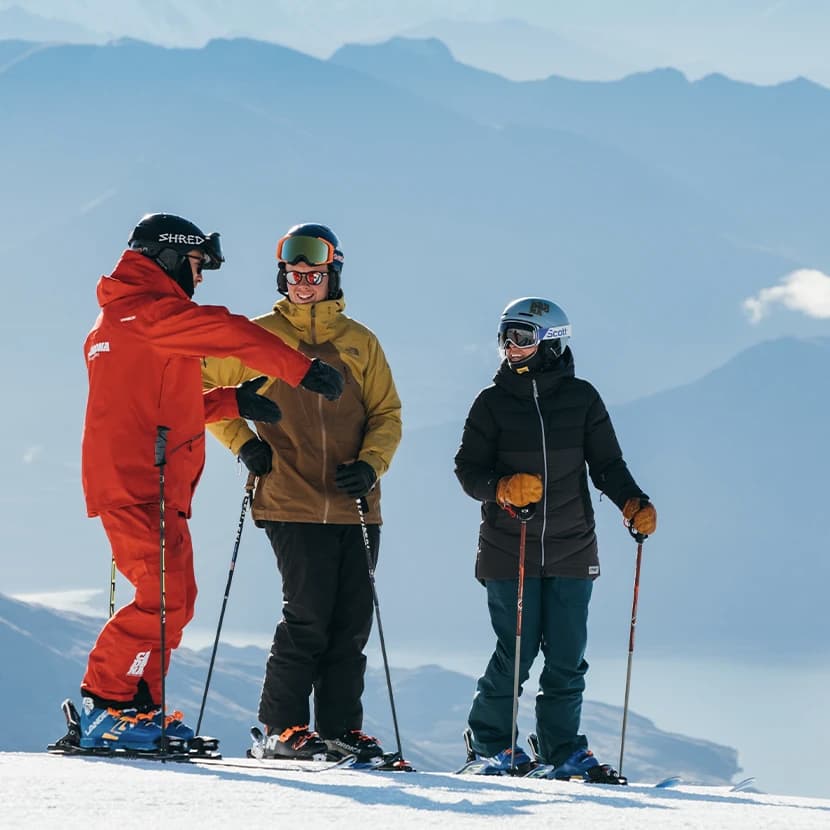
(313, 467)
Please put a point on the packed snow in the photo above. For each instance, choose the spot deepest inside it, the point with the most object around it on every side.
(43, 791)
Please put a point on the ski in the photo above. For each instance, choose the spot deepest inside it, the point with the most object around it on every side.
(200, 747)
(388, 762)
(278, 764)
(546, 771)
(600, 774)
(475, 765)
(482, 767)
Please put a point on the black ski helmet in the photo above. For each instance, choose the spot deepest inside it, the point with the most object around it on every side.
(166, 239)
(313, 244)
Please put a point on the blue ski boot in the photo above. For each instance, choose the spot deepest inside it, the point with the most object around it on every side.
(583, 765)
(577, 765)
(506, 763)
(117, 728)
(175, 727)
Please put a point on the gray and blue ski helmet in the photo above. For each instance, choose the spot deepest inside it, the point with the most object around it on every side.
(534, 321)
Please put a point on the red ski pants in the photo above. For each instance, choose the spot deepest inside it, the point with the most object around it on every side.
(129, 646)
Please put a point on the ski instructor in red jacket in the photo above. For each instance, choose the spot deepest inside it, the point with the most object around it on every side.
(143, 358)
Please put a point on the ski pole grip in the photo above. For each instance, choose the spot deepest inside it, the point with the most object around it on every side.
(525, 513)
(638, 537)
(161, 445)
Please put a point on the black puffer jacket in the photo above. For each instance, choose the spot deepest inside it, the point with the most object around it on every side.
(553, 424)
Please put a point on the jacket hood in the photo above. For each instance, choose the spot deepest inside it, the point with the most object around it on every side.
(134, 275)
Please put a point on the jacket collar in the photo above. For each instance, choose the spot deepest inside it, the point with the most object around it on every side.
(313, 322)
(521, 385)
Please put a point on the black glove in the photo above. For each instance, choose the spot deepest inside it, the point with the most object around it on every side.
(254, 406)
(324, 379)
(256, 455)
(355, 479)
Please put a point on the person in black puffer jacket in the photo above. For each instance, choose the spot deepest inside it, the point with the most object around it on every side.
(530, 441)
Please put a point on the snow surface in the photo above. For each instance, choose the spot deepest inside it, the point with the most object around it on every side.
(39, 790)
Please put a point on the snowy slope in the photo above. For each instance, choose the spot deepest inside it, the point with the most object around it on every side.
(37, 790)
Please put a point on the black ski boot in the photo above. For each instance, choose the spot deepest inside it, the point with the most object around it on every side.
(295, 742)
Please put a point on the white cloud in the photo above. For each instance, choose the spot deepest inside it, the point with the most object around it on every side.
(31, 454)
(805, 290)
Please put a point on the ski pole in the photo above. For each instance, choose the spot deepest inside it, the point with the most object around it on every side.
(362, 507)
(112, 585)
(247, 499)
(639, 538)
(160, 462)
(523, 514)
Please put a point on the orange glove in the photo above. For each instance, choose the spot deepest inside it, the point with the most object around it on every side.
(519, 489)
(641, 516)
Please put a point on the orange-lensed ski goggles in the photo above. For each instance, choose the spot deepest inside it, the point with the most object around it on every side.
(311, 249)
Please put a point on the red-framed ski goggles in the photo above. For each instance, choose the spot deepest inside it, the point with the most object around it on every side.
(311, 277)
(310, 249)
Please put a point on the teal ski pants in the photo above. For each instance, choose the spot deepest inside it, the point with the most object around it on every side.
(554, 619)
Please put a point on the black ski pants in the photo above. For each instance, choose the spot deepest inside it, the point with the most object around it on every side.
(326, 620)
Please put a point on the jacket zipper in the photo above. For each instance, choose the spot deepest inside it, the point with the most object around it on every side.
(188, 441)
(545, 475)
(326, 502)
(326, 499)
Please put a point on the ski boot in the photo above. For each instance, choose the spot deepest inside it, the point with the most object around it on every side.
(122, 728)
(505, 762)
(364, 747)
(295, 742)
(582, 765)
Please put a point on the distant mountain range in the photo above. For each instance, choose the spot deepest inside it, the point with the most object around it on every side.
(44, 652)
(760, 43)
(518, 50)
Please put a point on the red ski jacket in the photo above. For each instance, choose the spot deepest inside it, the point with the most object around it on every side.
(143, 358)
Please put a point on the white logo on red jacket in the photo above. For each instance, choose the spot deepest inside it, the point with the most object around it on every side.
(96, 349)
(139, 664)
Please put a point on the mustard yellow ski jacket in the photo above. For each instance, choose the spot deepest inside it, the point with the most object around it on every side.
(315, 435)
